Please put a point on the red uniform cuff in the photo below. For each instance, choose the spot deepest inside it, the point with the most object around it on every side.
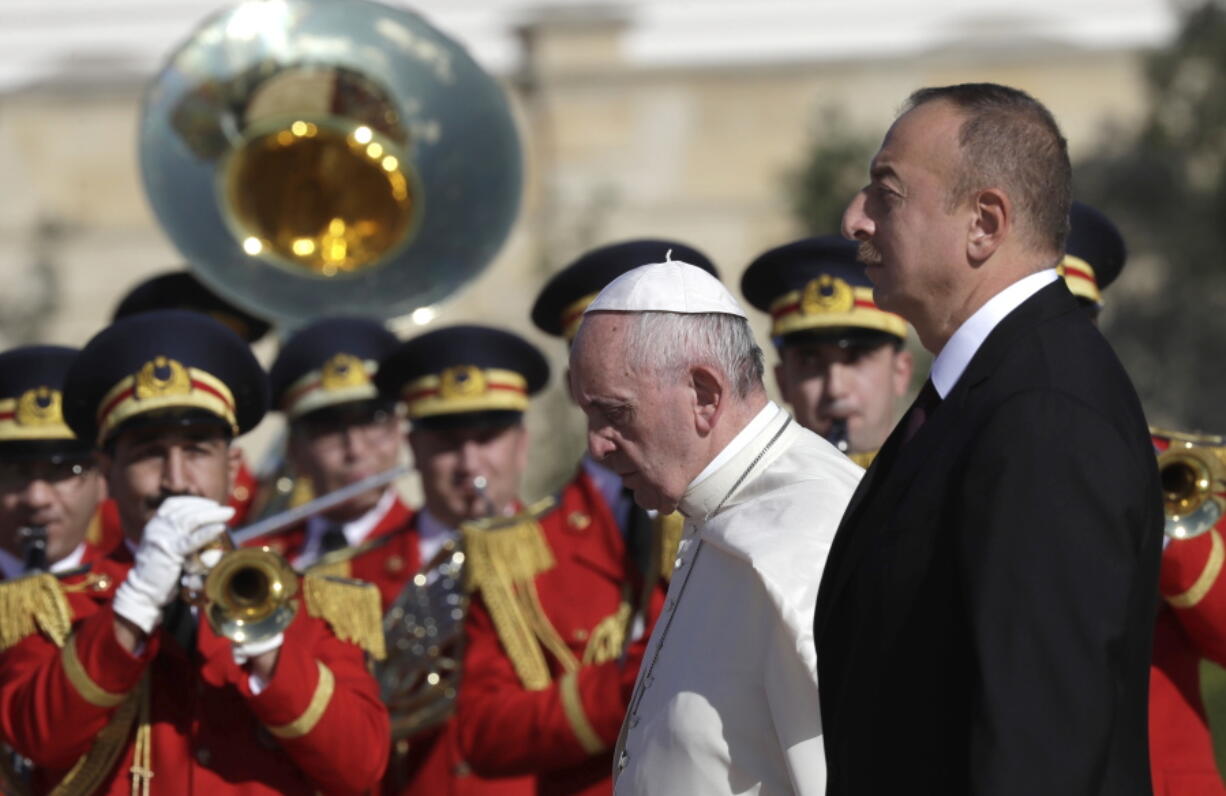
(295, 697)
(98, 666)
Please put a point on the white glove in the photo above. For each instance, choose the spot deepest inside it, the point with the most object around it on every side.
(182, 526)
(251, 649)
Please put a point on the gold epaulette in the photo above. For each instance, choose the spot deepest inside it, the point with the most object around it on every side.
(30, 604)
(864, 458)
(352, 608)
(509, 549)
(670, 528)
(503, 557)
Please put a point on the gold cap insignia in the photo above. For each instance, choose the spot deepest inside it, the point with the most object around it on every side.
(40, 406)
(827, 294)
(462, 381)
(342, 371)
(162, 376)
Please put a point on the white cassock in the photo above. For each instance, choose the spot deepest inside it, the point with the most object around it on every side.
(726, 699)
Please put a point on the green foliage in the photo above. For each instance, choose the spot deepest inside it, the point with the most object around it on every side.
(833, 169)
(1165, 186)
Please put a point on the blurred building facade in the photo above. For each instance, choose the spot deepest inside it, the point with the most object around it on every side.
(615, 148)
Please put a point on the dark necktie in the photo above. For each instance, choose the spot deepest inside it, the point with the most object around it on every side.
(334, 539)
(925, 403)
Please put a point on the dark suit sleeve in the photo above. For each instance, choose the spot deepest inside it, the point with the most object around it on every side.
(1058, 557)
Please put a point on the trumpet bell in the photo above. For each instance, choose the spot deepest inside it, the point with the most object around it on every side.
(313, 157)
(1192, 471)
(249, 594)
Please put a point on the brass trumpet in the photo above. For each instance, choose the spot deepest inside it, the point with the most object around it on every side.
(248, 594)
(1192, 471)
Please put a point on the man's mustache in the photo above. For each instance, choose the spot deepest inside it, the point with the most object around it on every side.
(868, 254)
(154, 503)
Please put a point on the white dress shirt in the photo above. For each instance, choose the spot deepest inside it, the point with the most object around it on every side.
(12, 567)
(726, 700)
(355, 531)
(951, 362)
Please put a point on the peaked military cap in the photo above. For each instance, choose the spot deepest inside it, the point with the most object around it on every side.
(558, 310)
(329, 363)
(31, 404)
(163, 366)
(1094, 255)
(816, 289)
(464, 376)
(179, 290)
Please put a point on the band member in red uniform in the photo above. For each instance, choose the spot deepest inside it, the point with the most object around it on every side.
(109, 681)
(341, 431)
(1191, 622)
(50, 489)
(842, 366)
(180, 290)
(552, 649)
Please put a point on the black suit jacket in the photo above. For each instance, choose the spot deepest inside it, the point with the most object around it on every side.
(984, 619)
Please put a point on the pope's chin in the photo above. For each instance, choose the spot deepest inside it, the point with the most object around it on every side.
(649, 497)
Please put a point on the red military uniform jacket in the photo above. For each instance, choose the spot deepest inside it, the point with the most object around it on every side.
(546, 693)
(1191, 625)
(188, 716)
(430, 764)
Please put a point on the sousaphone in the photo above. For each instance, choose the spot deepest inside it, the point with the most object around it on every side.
(323, 157)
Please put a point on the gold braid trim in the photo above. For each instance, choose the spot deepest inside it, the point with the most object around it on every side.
(863, 458)
(352, 608)
(142, 749)
(572, 706)
(608, 637)
(90, 691)
(516, 634)
(88, 773)
(30, 604)
(1208, 576)
(314, 711)
(502, 554)
(332, 569)
(669, 530)
(543, 628)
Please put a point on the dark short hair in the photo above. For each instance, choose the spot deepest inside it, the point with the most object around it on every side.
(1008, 139)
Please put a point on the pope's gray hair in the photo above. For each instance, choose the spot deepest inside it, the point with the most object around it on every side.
(667, 343)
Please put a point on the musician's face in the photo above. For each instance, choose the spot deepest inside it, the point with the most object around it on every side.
(861, 385)
(60, 496)
(337, 448)
(450, 459)
(146, 465)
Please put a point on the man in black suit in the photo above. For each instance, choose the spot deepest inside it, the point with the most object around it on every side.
(983, 623)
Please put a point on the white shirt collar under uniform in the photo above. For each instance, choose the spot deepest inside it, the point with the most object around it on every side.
(13, 567)
(951, 362)
(355, 531)
(700, 499)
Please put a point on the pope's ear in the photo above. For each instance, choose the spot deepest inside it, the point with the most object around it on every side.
(709, 393)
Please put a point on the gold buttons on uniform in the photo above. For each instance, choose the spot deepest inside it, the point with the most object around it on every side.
(394, 564)
(578, 521)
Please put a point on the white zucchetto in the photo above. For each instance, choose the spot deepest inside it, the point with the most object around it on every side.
(672, 286)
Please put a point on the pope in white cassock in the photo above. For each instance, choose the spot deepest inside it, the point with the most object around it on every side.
(666, 369)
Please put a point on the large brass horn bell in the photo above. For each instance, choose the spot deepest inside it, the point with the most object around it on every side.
(247, 594)
(314, 157)
(1192, 471)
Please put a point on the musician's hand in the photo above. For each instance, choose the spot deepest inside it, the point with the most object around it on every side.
(259, 657)
(182, 526)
